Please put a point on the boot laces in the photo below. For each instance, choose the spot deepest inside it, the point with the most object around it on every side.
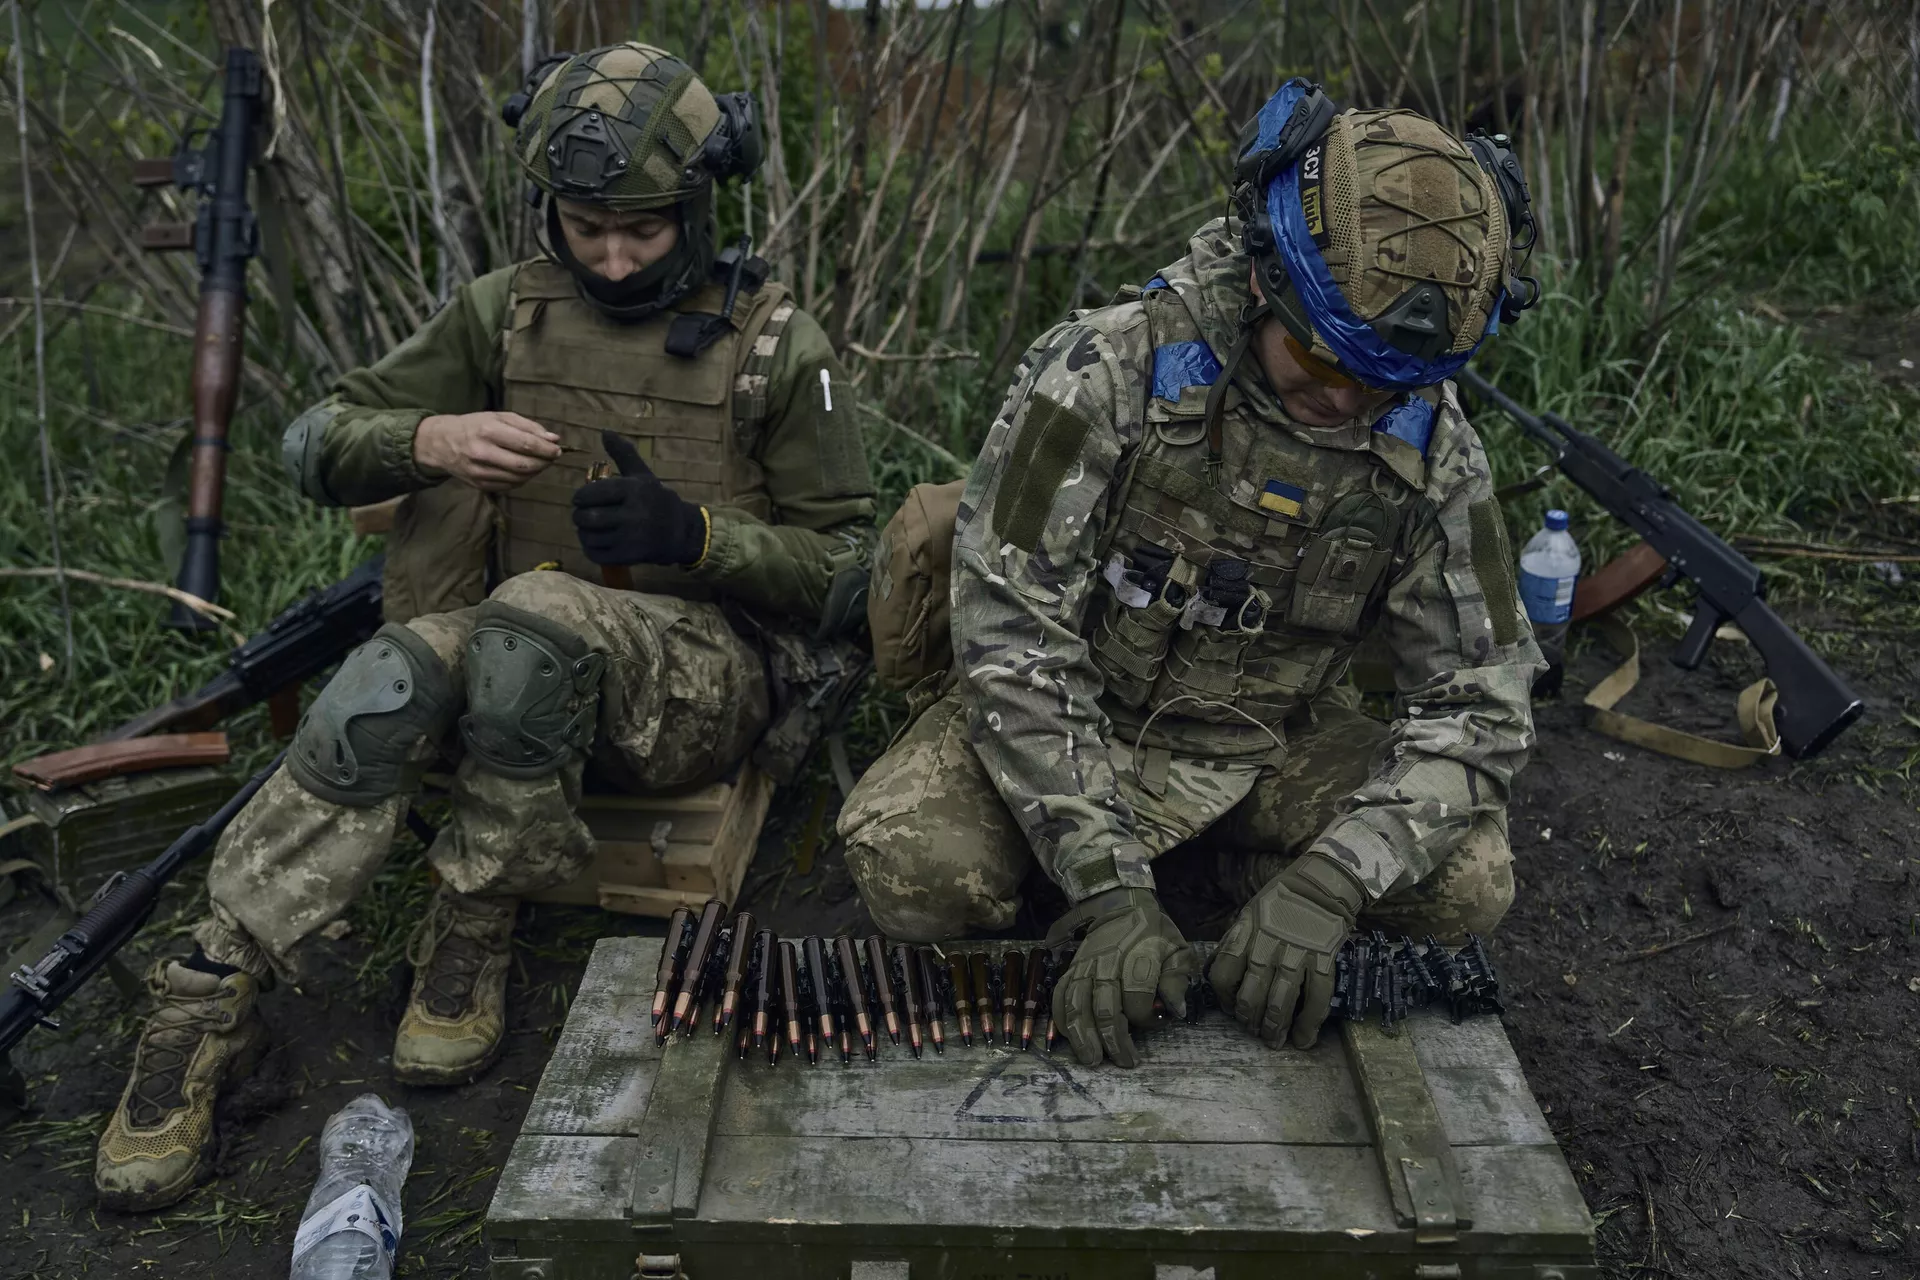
(167, 1048)
(448, 951)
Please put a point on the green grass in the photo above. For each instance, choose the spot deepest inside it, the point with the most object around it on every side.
(111, 506)
(1758, 428)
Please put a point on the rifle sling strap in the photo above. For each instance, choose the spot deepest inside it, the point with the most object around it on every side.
(1755, 709)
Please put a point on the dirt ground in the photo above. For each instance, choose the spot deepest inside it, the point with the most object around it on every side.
(1712, 978)
(1713, 982)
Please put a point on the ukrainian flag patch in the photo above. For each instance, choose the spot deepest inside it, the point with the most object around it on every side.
(1283, 499)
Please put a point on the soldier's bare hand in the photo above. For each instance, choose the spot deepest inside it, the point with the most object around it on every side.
(490, 450)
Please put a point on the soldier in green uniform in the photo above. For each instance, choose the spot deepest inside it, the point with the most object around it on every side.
(1192, 508)
(744, 498)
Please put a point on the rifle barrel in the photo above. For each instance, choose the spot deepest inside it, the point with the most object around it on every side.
(122, 907)
(1534, 425)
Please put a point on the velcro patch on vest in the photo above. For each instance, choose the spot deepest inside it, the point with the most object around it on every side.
(1050, 443)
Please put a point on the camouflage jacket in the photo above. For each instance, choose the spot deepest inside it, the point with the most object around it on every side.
(1098, 466)
(356, 447)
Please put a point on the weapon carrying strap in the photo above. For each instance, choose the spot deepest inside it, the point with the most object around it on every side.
(1755, 708)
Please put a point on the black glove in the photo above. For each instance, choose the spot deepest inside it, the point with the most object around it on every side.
(1279, 952)
(634, 518)
(1131, 953)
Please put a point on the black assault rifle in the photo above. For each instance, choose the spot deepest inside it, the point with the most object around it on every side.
(1815, 704)
(118, 910)
(303, 640)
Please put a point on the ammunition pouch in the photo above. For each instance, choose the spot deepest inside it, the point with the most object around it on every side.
(533, 692)
(813, 684)
(358, 742)
(1341, 563)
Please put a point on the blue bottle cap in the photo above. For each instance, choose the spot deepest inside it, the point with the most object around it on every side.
(1556, 520)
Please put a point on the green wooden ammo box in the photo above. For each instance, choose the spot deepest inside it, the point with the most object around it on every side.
(88, 832)
(1419, 1155)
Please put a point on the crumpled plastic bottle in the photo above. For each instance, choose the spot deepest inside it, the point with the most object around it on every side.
(350, 1229)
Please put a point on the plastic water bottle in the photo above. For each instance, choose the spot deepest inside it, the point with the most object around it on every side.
(1549, 567)
(350, 1229)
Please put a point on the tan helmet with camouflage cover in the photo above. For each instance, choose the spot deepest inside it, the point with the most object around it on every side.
(1379, 238)
(631, 127)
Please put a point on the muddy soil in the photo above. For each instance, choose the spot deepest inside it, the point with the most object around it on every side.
(1712, 978)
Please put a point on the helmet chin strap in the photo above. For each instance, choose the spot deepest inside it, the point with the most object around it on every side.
(646, 292)
(1250, 317)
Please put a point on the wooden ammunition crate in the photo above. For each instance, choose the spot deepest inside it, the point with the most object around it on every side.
(665, 850)
(1419, 1155)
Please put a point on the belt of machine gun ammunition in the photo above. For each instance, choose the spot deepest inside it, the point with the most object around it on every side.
(1376, 974)
(817, 996)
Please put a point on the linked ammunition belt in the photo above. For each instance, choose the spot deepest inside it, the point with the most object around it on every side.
(815, 996)
(1376, 974)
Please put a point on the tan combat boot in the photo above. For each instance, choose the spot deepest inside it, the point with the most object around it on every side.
(203, 1037)
(455, 1023)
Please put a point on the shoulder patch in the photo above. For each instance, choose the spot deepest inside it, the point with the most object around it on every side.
(1410, 421)
(1492, 558)
(1179, 365)
(1051, 440)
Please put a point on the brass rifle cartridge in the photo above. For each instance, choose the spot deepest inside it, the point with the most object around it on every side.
(985, 1007)
(962, 995)
(906, 977)
(1013, 982)
(685, 1004)
(737, 960)
(673, 955)
(883, 987)
(932, 975)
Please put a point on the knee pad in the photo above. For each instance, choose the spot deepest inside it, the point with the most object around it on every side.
(357, 741)
(533, 692)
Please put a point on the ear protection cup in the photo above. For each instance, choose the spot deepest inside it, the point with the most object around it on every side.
(1496, 155)
(734, 149)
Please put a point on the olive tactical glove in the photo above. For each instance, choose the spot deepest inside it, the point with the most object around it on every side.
(1279, 952)
(633, 518)
(1131, 953)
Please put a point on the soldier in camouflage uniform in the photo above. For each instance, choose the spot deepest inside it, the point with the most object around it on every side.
(744, 499)
(1193, 506)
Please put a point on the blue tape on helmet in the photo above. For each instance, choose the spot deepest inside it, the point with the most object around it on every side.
(1278, 110)
(1361, 351)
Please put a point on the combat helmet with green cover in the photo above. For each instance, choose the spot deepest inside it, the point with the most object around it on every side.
(632, 127)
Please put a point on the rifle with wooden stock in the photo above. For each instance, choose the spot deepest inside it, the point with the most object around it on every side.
(1815, 705)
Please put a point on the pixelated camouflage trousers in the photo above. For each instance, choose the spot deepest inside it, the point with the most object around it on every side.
(936, 853)
(682, 700)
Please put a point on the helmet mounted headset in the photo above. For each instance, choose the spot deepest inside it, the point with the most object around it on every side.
(587, 157)
(1408, 343)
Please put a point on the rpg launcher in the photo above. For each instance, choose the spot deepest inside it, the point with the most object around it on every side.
(224, 237)
(1815, 704)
